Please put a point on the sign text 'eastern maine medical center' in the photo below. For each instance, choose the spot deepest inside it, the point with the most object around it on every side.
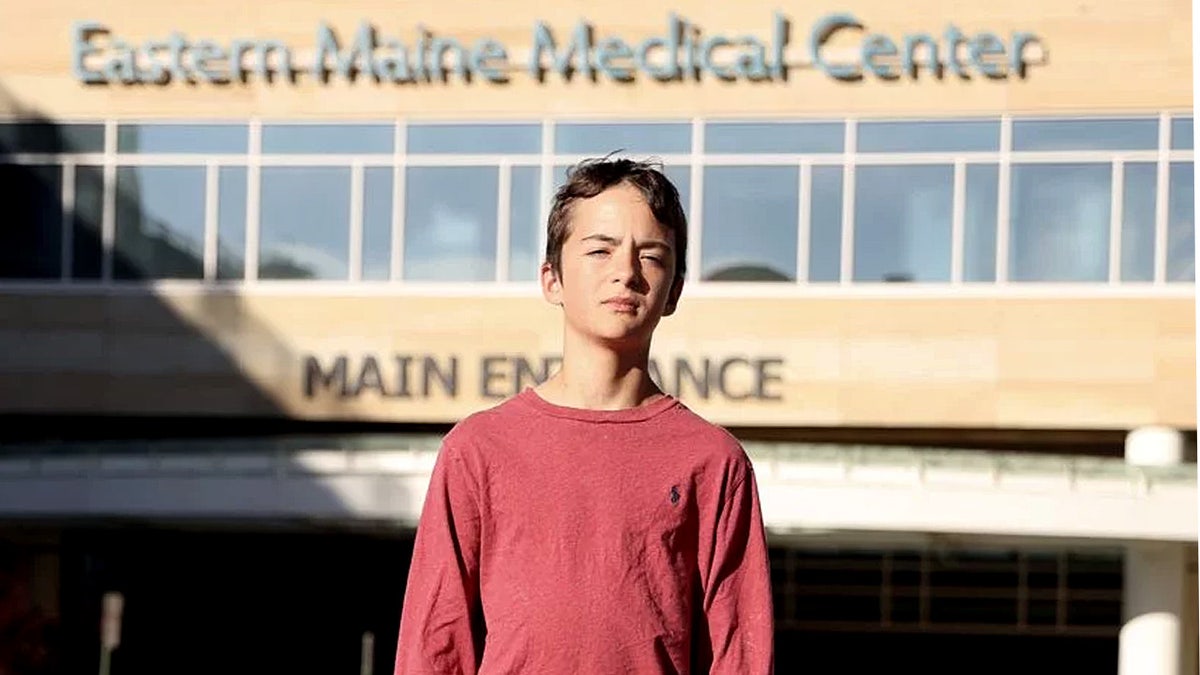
(838, 45)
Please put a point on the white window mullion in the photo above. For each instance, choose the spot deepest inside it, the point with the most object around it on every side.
(1003, 199)
(356, 221)
(847, 258)
(503, 220)
(1161, 205)
(253, 199)
(958, 221)
(399, 182)
(67, 253)
(1116, 215)
(696, 204)
(547, 187)
(108, 218)
(212, 199)
(804, 220)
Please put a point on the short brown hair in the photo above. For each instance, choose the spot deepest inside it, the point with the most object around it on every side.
(591, 177)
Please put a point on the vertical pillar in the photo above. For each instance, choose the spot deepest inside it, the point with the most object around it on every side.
(1191, 620)
(1153, 606)
(1152, 610)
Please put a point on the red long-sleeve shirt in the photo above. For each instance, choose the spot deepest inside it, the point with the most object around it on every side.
(561, 540)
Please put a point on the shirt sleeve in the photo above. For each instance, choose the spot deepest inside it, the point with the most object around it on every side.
(441, 629)
(736, 585)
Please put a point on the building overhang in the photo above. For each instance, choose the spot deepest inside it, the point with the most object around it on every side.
(808, 491)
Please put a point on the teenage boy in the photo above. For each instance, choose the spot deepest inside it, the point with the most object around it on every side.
(594, 524)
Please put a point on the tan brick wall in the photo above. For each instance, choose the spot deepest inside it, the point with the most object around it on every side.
(939, 362)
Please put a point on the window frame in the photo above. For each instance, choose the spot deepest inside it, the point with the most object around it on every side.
(697, 160)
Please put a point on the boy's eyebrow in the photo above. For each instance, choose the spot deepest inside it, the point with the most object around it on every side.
(604, 238)
(613, 241)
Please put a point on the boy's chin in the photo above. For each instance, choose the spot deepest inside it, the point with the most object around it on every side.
(618, 337)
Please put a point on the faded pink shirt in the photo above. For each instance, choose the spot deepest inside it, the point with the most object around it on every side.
(561, 540)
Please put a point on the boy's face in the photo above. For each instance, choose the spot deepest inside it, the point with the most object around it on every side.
(618, 264)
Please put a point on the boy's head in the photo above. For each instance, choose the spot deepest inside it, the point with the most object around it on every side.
(616, 248)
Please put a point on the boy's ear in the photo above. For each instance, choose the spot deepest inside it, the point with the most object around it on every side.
(551, 284)
(673, 296)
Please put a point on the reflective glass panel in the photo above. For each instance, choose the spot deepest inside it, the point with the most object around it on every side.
(930, 136)
(1086, 134)
(50, 138)
(524, 224)
(160, 223)
(825, 225)
(1137, 222)
(750, 223)
(1181, 223)
(85, 226)
(450, 223)
(979, 222)
(902, 222)
(305, 223)
(474, 139)
(231, 222)
(183, 138)
(1181, 133)
(377, 223)
(31, 240)
(1059, 224)
(602, 139)
(328, 139)
(774, 137)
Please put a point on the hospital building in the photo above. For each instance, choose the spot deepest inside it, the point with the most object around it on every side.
(256, 259)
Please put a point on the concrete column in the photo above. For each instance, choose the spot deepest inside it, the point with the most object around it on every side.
(1154, 588)
(1152, 612)
(1191, 618)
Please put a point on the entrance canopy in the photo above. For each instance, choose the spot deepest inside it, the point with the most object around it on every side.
(807, 490)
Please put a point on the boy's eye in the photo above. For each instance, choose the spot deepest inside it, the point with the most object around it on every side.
(599, 250)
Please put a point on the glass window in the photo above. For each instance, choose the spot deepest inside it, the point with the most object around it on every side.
(328, 139)
(524, 224)
(377, 223)
(1059, 222)
(304, 229)
(750, 225)
(1181, 133)
(183, 138)
(160, 223)
(1181, 223)
(47, 137)
(1137, 222)
(930, 136)
(979, 222)
(31, 241)
(450, 223)
(902, 222)
(602, 139)
(473, 139)
(1082, 134)
(768, 137)
(825, 225)
(86, 245)
(231, 222)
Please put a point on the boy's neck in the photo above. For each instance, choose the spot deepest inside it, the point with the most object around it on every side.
(597, 377)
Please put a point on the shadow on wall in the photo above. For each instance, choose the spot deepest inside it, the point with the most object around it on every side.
(265, 595)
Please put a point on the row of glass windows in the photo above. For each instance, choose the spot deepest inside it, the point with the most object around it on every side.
(572, 138)
(1064, 222)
